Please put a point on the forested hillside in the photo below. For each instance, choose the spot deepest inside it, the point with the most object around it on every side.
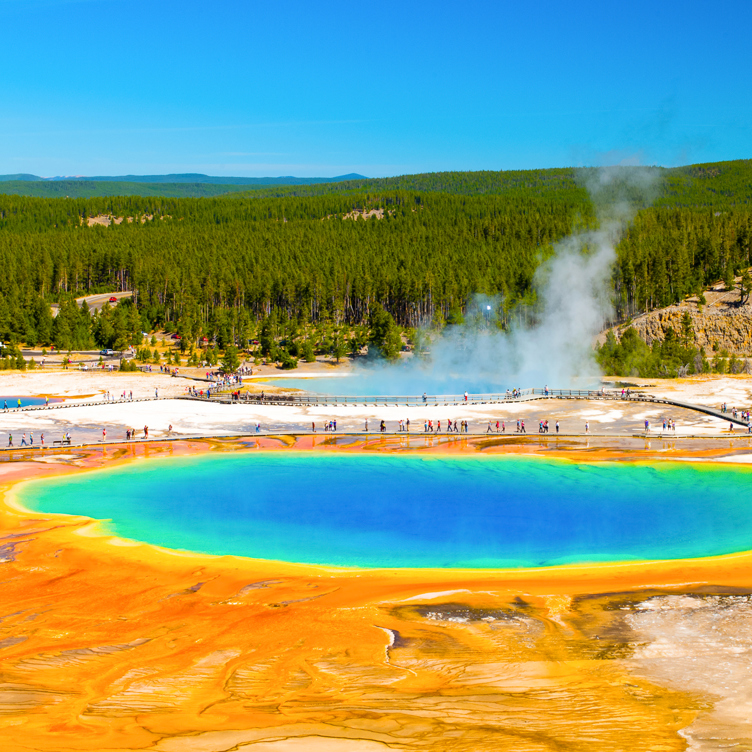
(221, 267)
(89, 188)
(191, 185)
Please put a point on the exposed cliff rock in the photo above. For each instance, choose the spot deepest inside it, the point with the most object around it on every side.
(728, 328)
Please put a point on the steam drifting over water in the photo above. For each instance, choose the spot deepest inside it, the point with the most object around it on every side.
(548, 344)
(551, 344)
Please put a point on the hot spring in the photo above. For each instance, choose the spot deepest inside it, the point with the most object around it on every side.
(408, 511)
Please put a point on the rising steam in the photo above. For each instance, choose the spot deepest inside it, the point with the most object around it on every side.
(548, 344)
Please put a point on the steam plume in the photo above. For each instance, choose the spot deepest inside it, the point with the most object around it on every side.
(550, 344)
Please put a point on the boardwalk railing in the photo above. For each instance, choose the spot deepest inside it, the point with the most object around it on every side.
(412, 400)
(304, 399)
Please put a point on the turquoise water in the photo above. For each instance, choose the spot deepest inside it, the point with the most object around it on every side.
(367, 382)
(386, 511)
(25, 401)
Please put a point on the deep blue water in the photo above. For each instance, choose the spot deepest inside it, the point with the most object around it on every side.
(409, 511)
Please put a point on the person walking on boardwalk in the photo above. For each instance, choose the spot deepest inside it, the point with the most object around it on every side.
(10, 439)
(146, 432)
(557, 426)
(407, 425)
(31, 439)
(488, 430)
(522, 426)
(587, 427)
(23, 440)
(41, 441)
(19, 402)
(104, 434)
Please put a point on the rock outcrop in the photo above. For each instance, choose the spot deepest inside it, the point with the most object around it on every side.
(727, 328)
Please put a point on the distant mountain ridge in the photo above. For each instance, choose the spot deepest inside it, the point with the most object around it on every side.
(192, 178)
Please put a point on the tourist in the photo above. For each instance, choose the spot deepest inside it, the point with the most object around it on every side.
(313, 427)
(587, 427)
(366, 425)
(465, 396)
(522, 426)
(407, 425)
(41, 441)
(146, 432)
(23, 440)
(488, 430)
(10, 440)
(503, 427)
(557, 426)
(31, 439)
(104, 434)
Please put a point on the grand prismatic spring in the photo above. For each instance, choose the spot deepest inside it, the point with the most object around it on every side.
(382, 511)
(252, 595)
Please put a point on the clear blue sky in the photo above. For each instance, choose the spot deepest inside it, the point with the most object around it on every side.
(276, 87)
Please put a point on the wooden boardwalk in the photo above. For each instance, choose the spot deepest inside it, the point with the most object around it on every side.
(308, 399)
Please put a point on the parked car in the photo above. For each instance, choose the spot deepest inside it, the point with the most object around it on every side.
(176, 336)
